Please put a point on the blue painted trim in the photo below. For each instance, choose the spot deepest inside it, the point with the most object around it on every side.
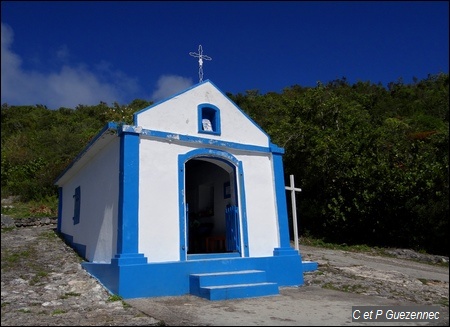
(275, 148)
(128, 215)
(136, 115)
(208, 256)
(211, 112)
(280, 191)
(243, 205)
(309, 266)
(182, 208)
(173, 137)
(60, 206)
(108, 129)
(79, 248)
(216, 154)
(170, 137)
(173, 278)
(77, 205)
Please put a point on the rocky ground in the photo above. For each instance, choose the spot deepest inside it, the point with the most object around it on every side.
(43, 284)
(401, 274)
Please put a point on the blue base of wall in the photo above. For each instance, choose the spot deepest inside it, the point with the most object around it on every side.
(173, 278)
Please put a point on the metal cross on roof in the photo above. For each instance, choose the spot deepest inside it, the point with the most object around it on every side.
(200, 57)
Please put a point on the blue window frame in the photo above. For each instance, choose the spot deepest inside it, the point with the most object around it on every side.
(208, 119)
(77, 205)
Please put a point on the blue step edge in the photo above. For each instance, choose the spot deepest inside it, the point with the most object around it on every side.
(228, 292)
(309, 266)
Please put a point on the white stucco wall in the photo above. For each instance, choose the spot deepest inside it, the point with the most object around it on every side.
(179, 115)
(99, 183)
(262, 223)
(159, 237)
(159, 208)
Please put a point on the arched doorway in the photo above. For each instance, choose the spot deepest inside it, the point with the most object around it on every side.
(210, 195)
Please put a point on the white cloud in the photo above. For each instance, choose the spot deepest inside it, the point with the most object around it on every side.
(168, 85)
(69, 86)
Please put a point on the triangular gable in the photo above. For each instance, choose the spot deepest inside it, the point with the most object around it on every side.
(185, 113)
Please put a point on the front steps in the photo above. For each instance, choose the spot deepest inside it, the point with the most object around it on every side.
(232, 285)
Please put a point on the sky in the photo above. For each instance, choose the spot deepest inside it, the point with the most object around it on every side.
(70, 53)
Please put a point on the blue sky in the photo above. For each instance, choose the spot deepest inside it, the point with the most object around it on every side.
(62, 54)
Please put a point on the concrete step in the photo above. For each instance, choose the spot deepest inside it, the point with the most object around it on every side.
(232, 285)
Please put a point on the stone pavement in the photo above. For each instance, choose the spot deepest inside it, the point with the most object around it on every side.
(302, 306)
(43, 284)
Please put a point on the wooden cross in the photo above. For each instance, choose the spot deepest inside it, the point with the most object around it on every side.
(200, 57)
(293, 189)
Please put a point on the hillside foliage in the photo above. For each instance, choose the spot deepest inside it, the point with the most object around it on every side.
(372, 161)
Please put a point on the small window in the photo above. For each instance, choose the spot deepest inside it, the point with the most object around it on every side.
(77, 205)
(208, 119)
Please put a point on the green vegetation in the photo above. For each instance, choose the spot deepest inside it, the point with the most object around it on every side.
(46, 207)
(58, 312)
(49, 235)
(423, 281)
(308, 240)
(372, 161)
(114, 298)
(345, 288)
(26, 310)
(68, 294)
(361, 248)
(40, 274)
(10, 259)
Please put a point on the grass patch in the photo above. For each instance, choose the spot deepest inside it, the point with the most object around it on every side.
(330, 286)
(38, 277)
(424, 281)
(69, 294)
(354, 288)
(443, 302)
(11, 259)
(24, 310)
(8, 229)
(58, 312)
(362, 248)
(47, 207)
(310, 241)
(48, 235)
(114, 298)
(358, 289)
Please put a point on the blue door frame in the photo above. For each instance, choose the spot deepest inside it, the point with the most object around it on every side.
(241, 237)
